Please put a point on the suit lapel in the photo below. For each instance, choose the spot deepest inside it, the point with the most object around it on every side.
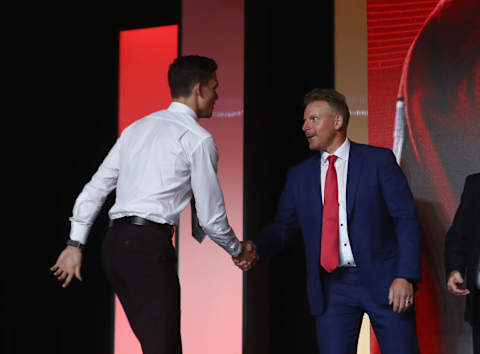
(355, 164)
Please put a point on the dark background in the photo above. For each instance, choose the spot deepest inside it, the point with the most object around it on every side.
(64, 71)
(289, 50)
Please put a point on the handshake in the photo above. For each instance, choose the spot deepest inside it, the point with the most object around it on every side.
(248, 257)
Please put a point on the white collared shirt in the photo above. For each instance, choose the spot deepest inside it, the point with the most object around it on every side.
(155, 165)
(341, 165)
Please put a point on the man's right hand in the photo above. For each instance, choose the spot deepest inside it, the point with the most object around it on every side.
(249, 256)
(455, 284)
(68, 265)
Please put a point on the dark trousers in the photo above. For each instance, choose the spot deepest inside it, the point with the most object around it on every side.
(347, 299)
(141, 265)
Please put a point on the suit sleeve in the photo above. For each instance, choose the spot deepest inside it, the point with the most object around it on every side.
(401, 207)
(455, 240)
(284, 225)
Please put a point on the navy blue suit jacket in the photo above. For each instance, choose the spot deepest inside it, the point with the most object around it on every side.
(382, 224)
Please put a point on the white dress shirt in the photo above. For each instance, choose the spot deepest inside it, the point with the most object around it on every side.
(155, 165)
(341, 165)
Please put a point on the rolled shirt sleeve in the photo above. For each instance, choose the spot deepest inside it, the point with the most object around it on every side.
(210, 204)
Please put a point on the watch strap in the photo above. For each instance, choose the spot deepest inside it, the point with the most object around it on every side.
(76, 244)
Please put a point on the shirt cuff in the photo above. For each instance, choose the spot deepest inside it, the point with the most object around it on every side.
(79, 232)
(236, 249)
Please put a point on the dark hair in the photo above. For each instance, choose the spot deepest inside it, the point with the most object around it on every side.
(335, 100)
(186, 71)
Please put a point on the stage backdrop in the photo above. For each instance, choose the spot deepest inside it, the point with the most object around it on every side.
(424, 93)
(211, 285)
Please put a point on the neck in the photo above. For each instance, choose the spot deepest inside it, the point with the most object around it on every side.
(188, 101)
(336, 143)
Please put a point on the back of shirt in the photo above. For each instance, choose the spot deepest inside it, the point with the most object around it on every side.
(154, 166)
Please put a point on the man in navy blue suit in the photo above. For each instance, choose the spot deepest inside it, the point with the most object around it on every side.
(362, 239)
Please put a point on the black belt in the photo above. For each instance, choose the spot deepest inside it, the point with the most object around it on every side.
(137, 220)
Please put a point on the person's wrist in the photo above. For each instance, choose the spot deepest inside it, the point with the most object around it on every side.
(409, 280)
(454, 273)
(75, 244)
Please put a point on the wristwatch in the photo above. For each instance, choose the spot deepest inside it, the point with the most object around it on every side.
(74, 243)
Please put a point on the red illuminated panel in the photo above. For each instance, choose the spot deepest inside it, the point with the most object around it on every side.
(145, 55)
(424, 52)
(144, 58)
(392, 27)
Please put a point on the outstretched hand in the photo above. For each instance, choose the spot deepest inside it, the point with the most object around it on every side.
(249, 256)
(68, 265)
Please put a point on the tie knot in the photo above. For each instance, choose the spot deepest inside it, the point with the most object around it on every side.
(331, 159)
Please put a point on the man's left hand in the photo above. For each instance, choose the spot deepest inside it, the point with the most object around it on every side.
(400, 295)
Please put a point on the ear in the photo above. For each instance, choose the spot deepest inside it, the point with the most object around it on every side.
(339, 122)
(196, 89)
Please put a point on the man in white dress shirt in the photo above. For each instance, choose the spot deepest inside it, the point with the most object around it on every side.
(156, 166)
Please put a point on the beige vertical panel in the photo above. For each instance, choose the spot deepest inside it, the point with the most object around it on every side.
(351, 63)
(351, 80)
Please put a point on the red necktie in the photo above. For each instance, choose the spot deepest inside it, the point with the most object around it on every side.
(329, 256)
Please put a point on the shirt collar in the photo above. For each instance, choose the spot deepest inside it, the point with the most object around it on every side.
(342, 152)
(182, 108)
